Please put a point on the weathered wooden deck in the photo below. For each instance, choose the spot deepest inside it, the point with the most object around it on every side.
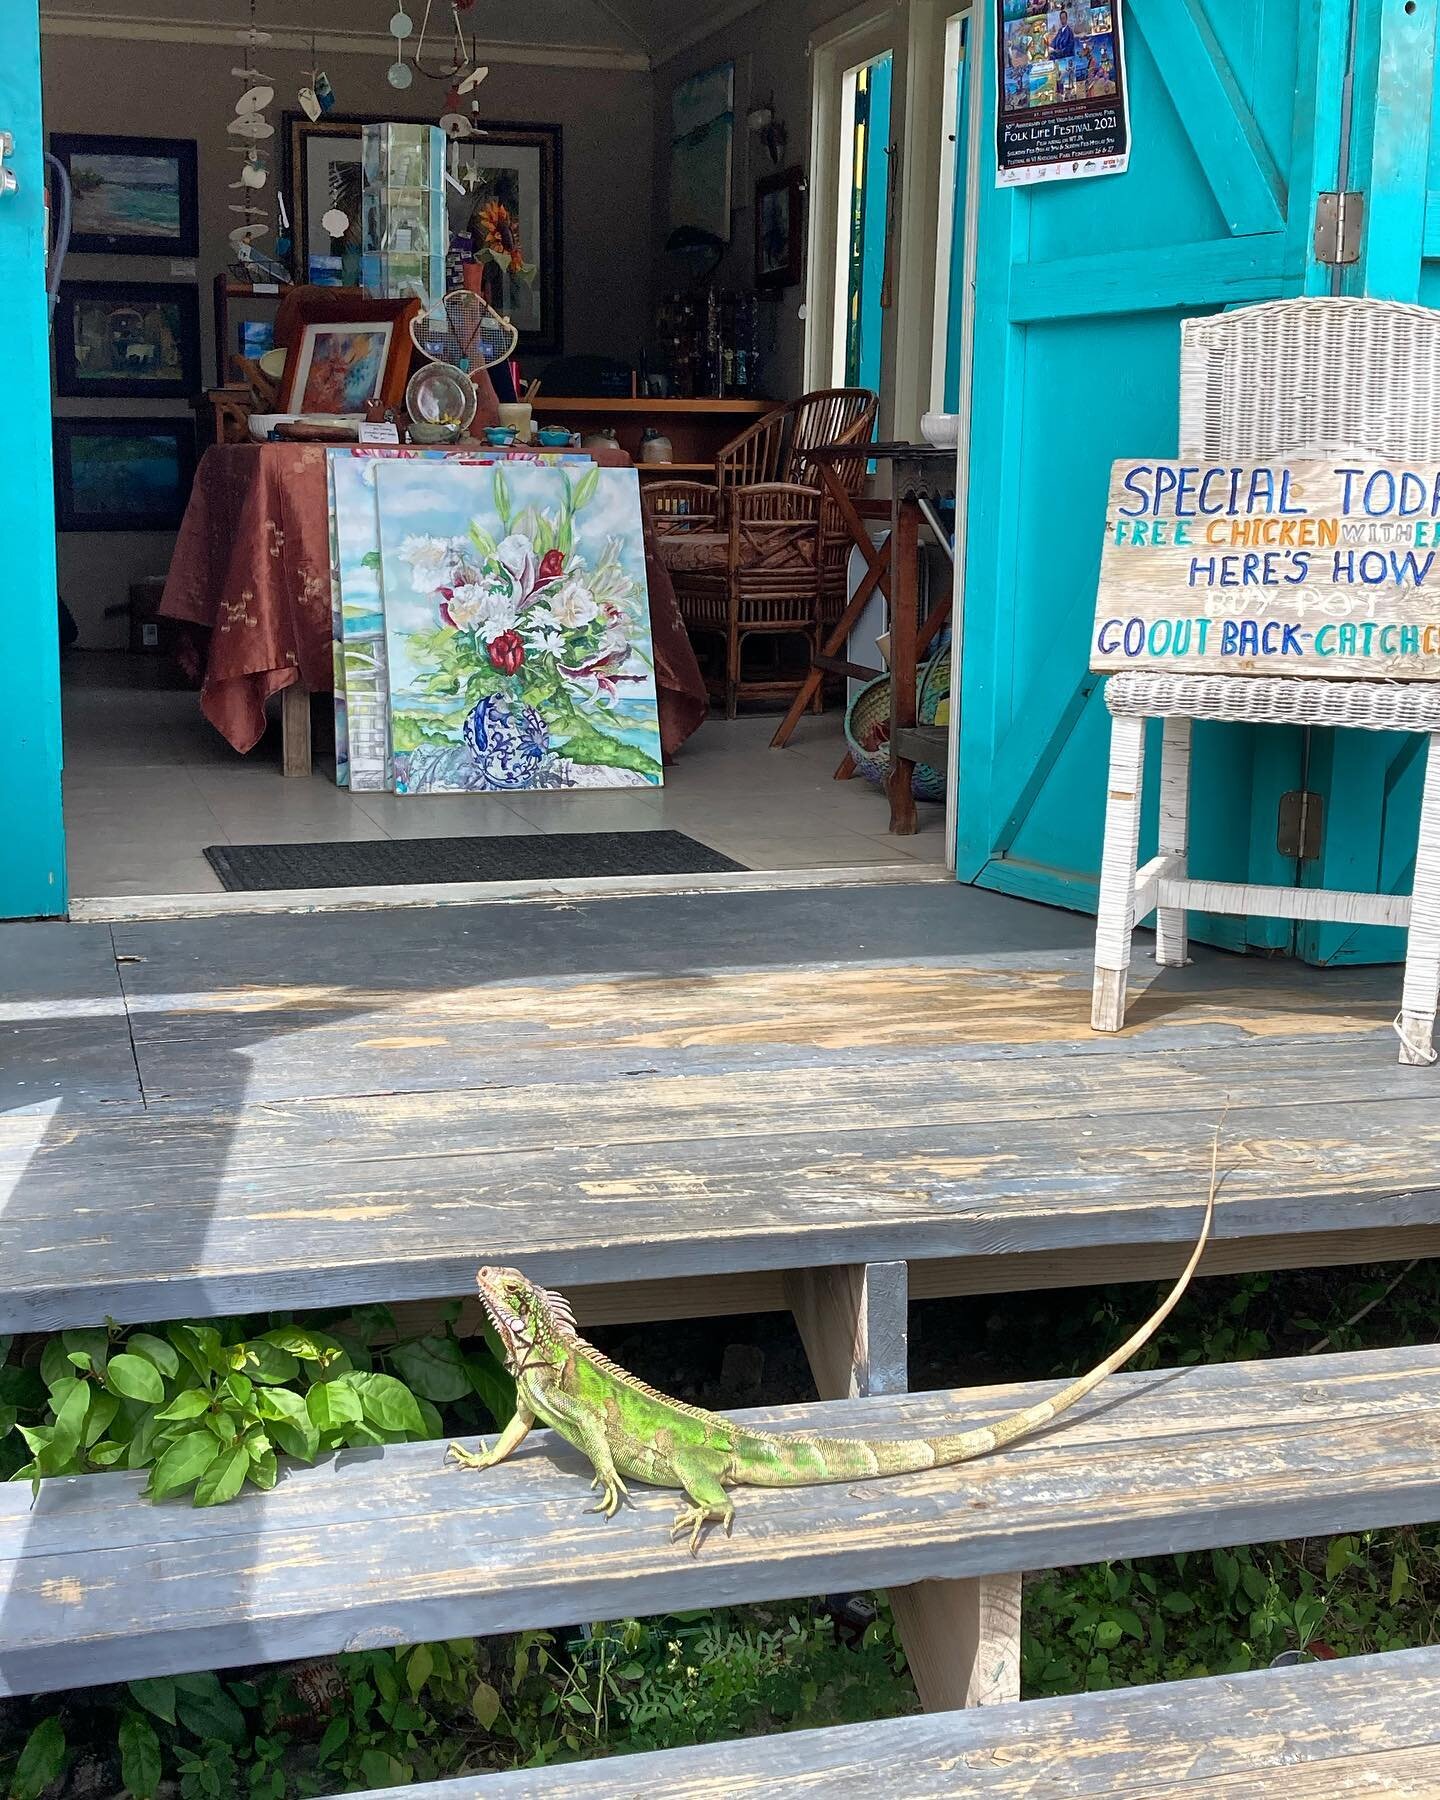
(668, 1104)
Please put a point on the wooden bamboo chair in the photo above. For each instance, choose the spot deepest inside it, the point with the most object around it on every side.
(1284, 379)
(706, 546)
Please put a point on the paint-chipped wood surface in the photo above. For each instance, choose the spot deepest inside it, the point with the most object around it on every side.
(689, 1093)
(395, 1547)
(1369, 1726)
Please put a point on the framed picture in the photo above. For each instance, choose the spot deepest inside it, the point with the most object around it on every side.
(780, 230)
(122, 474)
(508, 205)
(343, 349)
(702, 150)
(138, 340)
(133, 196)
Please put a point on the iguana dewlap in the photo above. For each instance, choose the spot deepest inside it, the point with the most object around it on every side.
(625, 1428)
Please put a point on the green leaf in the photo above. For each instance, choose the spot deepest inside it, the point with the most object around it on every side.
(1256, 1585)
(370, 560)
(186, 1460)
(156, 1693)
(241, 1390)
(93, 1343)
(290, 1423)
(1399, 1576)
(1339, 1557)
(585, 488)
(145, 1441)
(332, 1405)
(1227, 1571)
(135, 1379)
(433, 1368)
(55, 1364)
(382, 1770)
(337, 1732)
(494, 1387)
(69, 1425)
(22, 1388)
(1309, 1616)
(387, 1681)
(419, 1667)
(267, 1362)
(107, 1453)
(102, 1409)
(41, 1761)
(264, 1470)
(139, 1756)
(502, 498)
(188, 1404)
(371, 1322)
(388, 1404)
(155, 1350)
(223, 1478)
(202, 1348)
(1108, 1634)
(206, 1709)
(1177, 1602)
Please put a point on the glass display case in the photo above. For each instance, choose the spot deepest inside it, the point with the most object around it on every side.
(403, 231)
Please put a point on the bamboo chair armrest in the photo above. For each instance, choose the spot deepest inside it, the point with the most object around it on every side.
(764, 500)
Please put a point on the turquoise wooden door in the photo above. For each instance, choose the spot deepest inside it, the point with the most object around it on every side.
(1081, 287)
(32, 838)
(1369, 782)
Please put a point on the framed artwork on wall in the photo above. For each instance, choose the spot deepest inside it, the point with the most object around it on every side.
(135, 340)
(780, 231)
(132, 196)
(702, 150)
(122, 474)
(508, 204)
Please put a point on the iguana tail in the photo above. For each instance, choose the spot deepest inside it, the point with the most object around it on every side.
(795, 1460)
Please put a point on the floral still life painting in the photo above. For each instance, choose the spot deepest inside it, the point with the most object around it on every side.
(517, 622)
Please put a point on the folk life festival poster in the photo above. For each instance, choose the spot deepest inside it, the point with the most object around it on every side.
(1064, 110)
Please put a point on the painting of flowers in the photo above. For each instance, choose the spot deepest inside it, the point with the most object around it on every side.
(517, 625)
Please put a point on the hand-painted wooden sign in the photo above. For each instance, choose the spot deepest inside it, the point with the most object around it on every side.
(1328, 567)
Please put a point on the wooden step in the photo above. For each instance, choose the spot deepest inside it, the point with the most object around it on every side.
(394, 1547)
(1369, 1725)
(176, 1213)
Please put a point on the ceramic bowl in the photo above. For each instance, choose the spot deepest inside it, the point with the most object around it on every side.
(500, 436)
(554, 437)
(941, 429)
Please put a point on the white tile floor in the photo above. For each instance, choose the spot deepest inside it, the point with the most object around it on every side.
(148, 784)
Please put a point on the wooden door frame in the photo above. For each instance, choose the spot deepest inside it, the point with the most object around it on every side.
(32, 828)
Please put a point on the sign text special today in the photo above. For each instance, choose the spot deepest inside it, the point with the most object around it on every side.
(1322, 567)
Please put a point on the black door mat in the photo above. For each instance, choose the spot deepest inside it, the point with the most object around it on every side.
(425, 862)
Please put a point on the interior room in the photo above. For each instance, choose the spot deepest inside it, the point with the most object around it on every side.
(487, 435)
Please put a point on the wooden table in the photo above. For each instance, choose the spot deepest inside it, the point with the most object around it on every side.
(921, 477)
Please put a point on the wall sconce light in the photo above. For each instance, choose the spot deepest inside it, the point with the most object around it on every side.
(769, 128)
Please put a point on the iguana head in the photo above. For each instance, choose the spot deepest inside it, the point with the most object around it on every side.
(533, 1324)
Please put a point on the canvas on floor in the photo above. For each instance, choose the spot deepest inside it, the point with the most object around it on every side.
(517, 626)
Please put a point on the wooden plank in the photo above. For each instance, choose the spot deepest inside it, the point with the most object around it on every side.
(1367, 1725)
(295, 751)
(156, 908)
(396, 1546)
(415, 1226)
(1229, 146)
(854, 1323)
(1208, 276)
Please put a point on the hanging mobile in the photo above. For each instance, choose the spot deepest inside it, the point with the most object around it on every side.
(401, 27)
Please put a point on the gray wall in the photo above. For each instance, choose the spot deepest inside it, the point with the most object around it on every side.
(185, 90)
(768, 48)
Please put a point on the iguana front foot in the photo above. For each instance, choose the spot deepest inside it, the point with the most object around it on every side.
(614, 1492)
(471, 1459)
(694, 1519)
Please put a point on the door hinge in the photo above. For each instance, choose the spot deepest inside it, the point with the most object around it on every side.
(1339, 219)
(8, 183)
(1301, 822)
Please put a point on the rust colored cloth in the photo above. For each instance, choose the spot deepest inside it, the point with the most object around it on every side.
(252, 566)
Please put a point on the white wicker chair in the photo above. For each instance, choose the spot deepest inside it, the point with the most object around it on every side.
(1265, 383)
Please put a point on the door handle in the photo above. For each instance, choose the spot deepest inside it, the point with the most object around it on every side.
(8, 182)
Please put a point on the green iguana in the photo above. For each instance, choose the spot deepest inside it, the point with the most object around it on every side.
(623, 1427)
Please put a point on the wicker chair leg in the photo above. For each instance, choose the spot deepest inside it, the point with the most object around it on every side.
(1172, 947)
(1416, 1023)
(1115, 924)
(732, 670)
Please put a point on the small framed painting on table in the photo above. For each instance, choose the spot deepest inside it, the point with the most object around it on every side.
(343, 350)
(122, 474)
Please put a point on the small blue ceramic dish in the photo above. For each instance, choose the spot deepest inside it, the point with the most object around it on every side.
(501, 436)
(554, 437)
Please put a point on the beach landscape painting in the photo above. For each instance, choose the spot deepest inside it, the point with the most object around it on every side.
(517, 622)
(131, 196)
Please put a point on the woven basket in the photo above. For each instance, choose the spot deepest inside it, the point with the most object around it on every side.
(867, 726)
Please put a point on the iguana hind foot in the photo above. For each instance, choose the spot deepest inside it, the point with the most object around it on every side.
(614, 1492)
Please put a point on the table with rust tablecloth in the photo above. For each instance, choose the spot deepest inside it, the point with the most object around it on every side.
(252, 565)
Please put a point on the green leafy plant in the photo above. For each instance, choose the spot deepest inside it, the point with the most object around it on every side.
(208, 1408)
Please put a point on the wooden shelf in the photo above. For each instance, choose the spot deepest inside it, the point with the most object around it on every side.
(676, 468)
(552, 405)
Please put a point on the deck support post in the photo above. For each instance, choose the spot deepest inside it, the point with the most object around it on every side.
(962, 1638)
